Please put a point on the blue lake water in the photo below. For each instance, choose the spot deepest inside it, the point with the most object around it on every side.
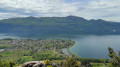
(86, 46)
(94, 46)
(9, 36)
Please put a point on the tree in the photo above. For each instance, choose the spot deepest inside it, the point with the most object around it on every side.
(11, 63)
(115, 59)
(71, 62)
(85, 63)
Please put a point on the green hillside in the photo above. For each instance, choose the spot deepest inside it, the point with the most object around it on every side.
(71, 25)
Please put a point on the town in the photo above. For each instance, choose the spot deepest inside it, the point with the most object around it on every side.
(30, 44)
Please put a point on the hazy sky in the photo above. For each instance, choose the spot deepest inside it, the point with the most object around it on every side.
(89, 9)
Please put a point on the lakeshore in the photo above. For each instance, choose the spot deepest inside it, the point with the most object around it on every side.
(86, 46)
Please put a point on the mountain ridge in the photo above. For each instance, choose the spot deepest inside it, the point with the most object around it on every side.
(67, 17)
(58, 25)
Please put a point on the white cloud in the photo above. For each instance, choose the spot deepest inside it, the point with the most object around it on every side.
(102, 9)
(40, 6)
(94, 9)
(9, 15)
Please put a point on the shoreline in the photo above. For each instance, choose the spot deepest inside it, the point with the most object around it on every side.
(67, 52)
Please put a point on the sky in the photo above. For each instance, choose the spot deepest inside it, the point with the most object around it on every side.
(89, 9)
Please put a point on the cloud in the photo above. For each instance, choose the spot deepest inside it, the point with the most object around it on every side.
(89, 9)
(56, 7)
(101, 9)
(10, 15)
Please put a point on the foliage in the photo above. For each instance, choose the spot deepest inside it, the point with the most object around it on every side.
(23, 56)
(6, 63)
(98, 65)
(86, 63)
(94, 60)
(4, 46)
(115, 59)
(71, 62)
(47, 55)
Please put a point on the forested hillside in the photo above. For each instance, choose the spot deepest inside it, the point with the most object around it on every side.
(57, 25)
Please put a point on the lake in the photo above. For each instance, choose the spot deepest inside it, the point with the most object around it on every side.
(86, 46)
(94, 46)
(9, 36)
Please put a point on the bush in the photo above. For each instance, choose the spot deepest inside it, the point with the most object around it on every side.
(71, 62)
(5, 63)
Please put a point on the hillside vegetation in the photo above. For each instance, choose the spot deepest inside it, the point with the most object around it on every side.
(71, 25)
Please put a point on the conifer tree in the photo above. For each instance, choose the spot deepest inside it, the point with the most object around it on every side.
(115, 59)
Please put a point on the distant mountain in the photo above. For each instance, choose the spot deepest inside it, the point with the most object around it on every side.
(58, 25)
